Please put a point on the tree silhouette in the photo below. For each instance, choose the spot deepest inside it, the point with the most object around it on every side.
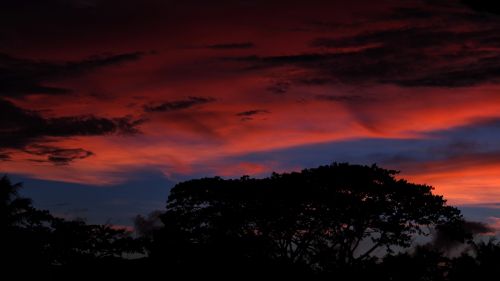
(50, 246)
(73, 242)
(13, 209)
(24, 229)
(422, 263)
(335, 222)
(323, 219)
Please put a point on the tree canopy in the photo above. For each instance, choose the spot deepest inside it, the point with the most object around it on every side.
(323, 218)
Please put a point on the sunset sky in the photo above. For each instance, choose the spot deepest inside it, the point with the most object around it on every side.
(106, 104)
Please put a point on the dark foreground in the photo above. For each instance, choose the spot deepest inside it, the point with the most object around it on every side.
(336, 222)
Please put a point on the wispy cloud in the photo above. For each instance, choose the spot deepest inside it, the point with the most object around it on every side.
(177, 104)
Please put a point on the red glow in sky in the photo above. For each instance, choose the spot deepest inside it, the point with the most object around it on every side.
(96, 92)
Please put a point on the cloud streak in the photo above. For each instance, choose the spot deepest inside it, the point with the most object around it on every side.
(24, 130)
(230, 46)
(20, 77)
(56, 155)
(177, 104)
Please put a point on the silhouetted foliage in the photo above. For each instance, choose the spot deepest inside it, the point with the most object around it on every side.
(324, 219)
(335, 222)
(33, 239)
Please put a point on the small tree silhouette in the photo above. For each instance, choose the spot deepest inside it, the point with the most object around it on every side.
(13, 209)
(33, 239)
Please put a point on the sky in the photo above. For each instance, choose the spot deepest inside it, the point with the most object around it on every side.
(106, 104)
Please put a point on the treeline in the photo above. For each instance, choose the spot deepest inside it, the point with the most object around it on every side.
(335, 222)
(34, 243)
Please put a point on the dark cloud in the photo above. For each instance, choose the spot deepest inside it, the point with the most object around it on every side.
(146, 226)
(321, 68)
(57, 155)
(406, 37)
(20, 77)
(19, 126)
(229, 46)
(252, 112)
(248, 115)
(276, 61)
(340, 98)
(438, 53)
(178, 104)
(4, 156)
(24, 130)
(487, 6)
(447, 238)
(89, 125)
(485, 70)
(406, 13)
(404, 66)
(279, 87)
